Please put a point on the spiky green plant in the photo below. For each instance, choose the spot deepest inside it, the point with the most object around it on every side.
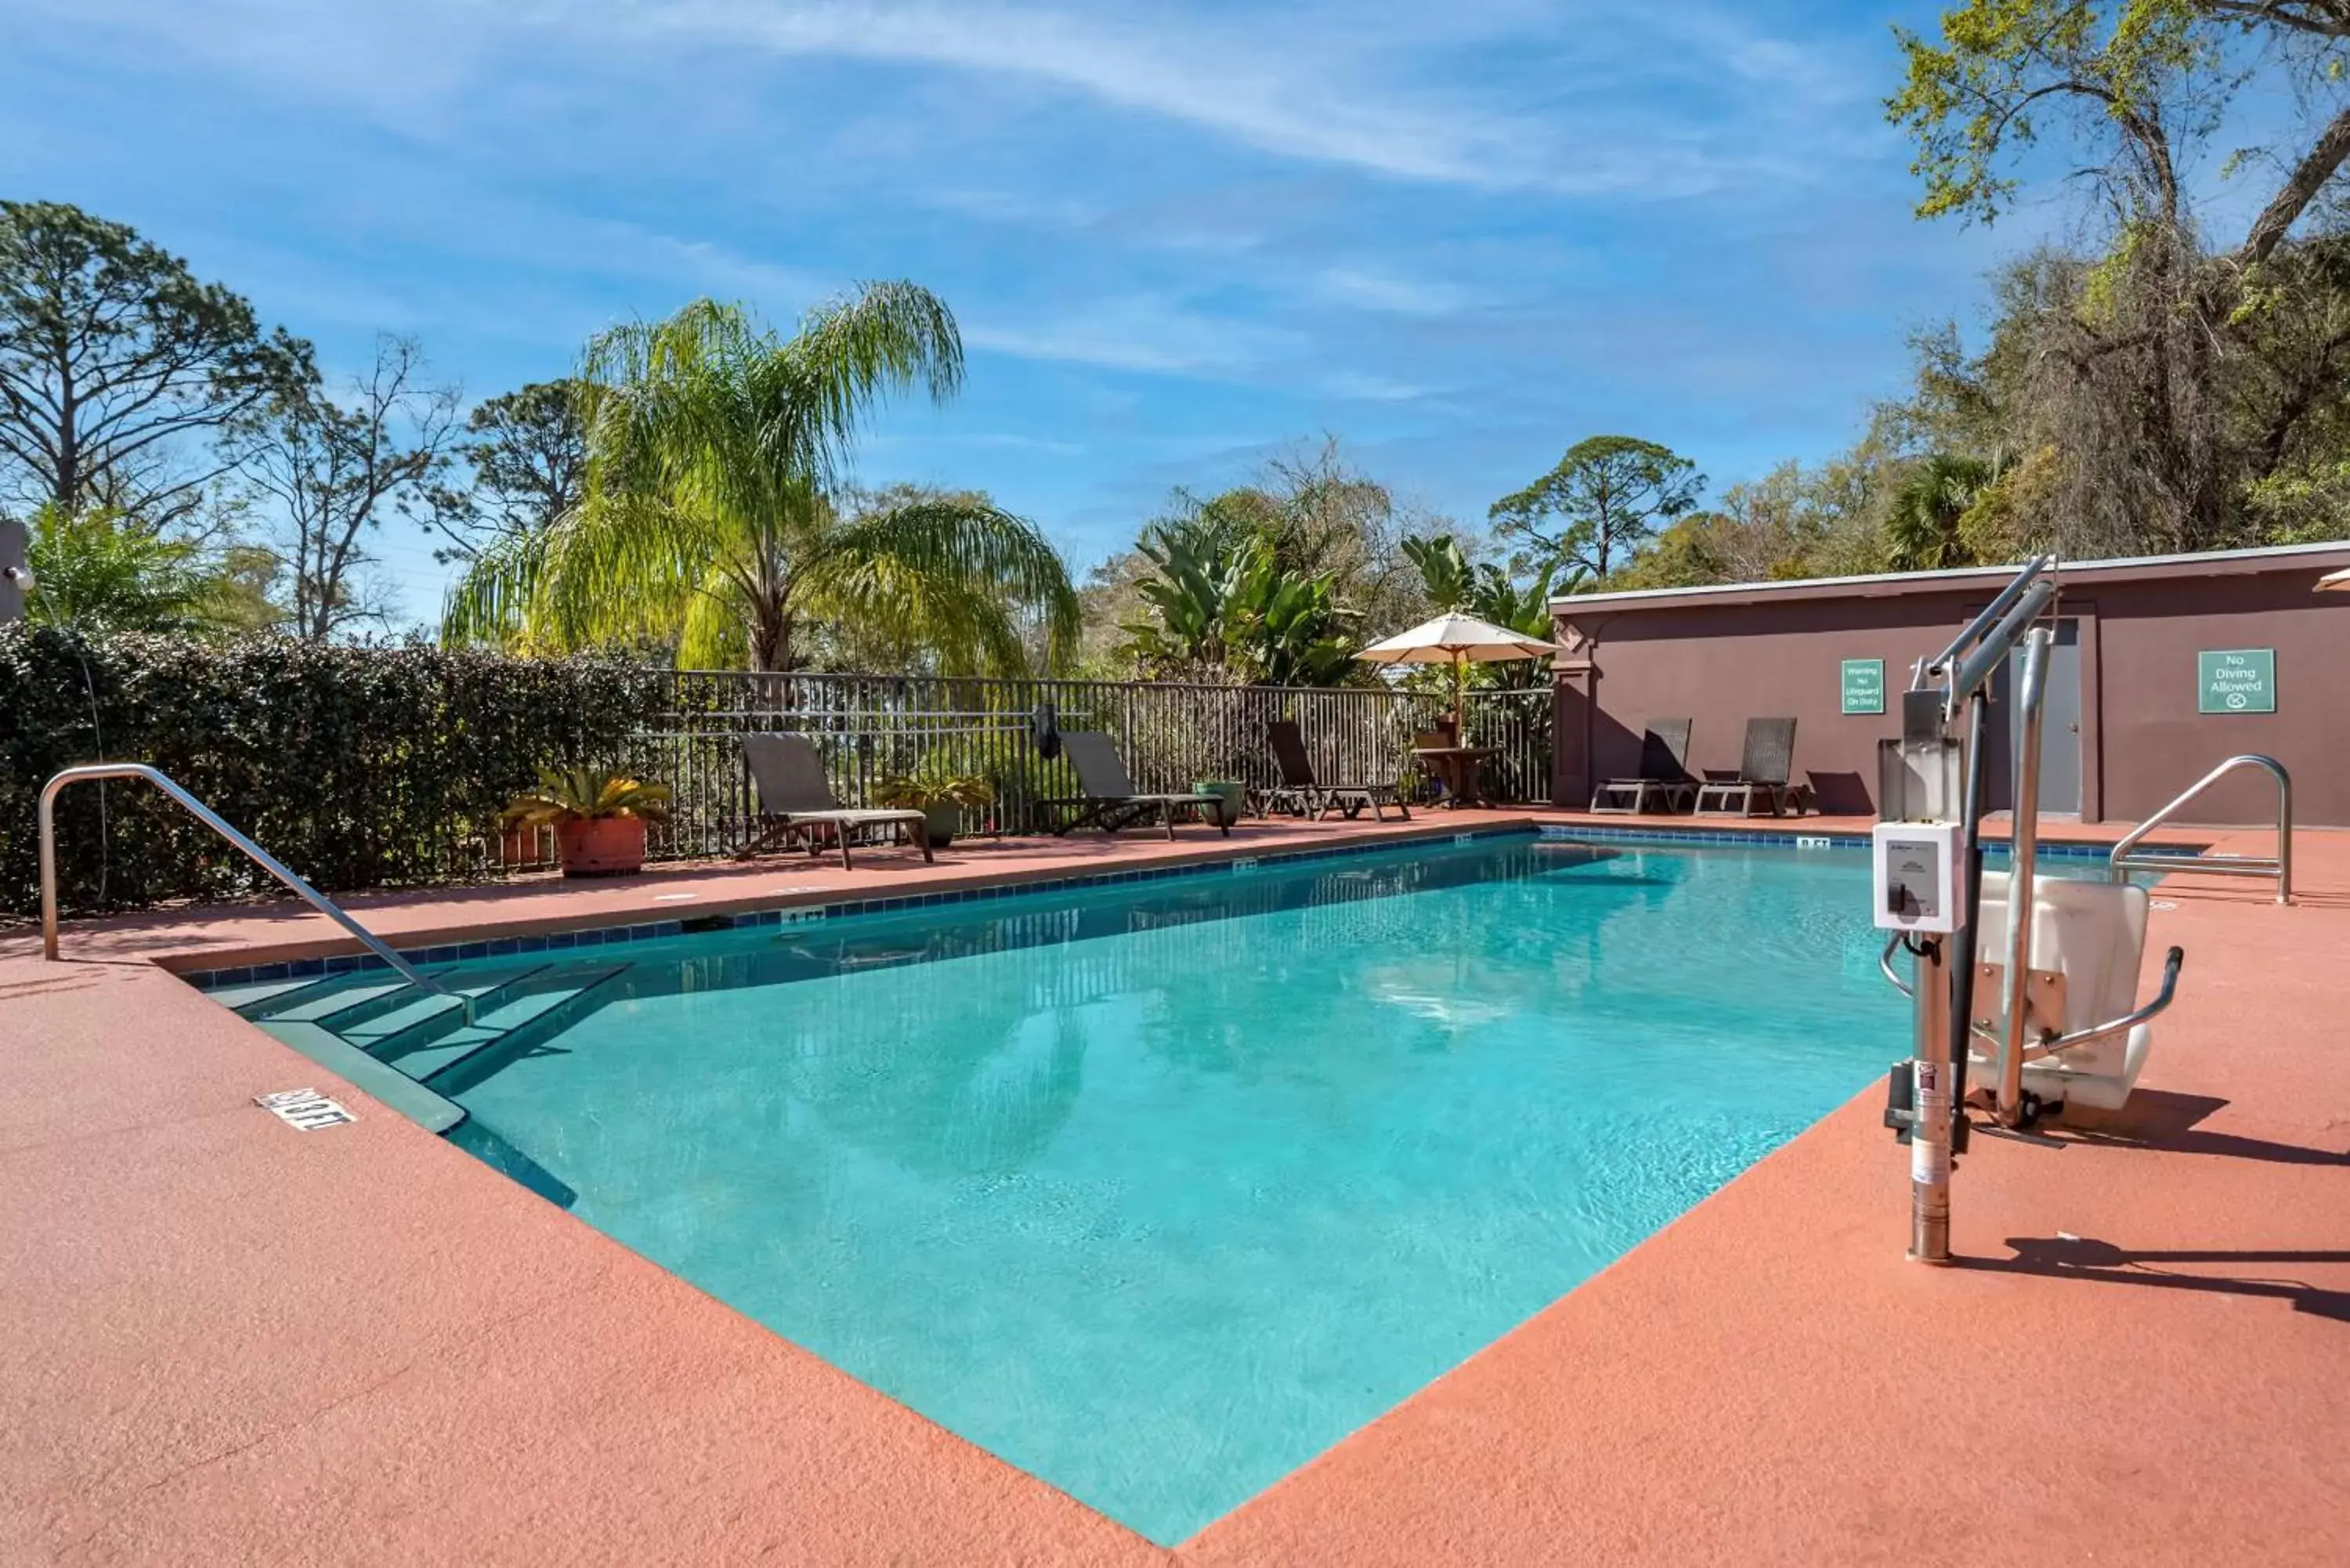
(572, 795)
(713, 449)
(933, 781)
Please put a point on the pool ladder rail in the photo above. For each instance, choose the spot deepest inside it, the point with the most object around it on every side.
(384, 1032)
(91, 772)
(2128, 857)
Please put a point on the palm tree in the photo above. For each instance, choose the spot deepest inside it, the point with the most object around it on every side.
(1921, 526)
(101, 570)
(713, 449)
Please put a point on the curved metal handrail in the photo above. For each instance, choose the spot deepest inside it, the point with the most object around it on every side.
(2112, 1026)
(2280, 866)
(1885, 966)
(253, 852)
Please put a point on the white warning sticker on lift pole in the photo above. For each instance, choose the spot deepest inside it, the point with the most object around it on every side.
(304, 1110)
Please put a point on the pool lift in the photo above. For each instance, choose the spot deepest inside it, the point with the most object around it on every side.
(2058, 1020)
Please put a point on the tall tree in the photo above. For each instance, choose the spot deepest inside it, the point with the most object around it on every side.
(119, 371)
(525, 454)
(715, 451)
(1606, 499)
(2132, 365)
(334, 466)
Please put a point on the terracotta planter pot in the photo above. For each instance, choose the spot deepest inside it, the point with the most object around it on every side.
(601, 846)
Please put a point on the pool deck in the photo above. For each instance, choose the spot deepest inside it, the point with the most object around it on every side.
(225, 1340)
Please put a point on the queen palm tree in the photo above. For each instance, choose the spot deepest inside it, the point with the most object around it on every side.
(713, 449)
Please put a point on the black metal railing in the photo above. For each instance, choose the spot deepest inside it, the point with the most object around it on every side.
(1172, 736)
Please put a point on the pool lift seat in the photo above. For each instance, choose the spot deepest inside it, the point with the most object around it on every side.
(2086, 1035)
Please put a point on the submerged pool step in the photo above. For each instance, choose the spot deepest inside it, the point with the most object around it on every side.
(370, 1022)
(444, 1038)
(253, 995)
(455, 1073)
(311, 1000)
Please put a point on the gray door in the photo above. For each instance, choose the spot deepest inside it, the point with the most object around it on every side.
(2060, 722)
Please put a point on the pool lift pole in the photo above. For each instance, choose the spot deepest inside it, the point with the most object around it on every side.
(1927, 854)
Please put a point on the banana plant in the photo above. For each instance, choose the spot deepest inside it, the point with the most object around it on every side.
(1222, 602)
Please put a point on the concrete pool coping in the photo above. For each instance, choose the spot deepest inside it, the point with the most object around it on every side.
(226, 1342)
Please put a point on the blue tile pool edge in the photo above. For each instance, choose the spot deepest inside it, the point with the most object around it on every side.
(1783, 837)
(789, 914)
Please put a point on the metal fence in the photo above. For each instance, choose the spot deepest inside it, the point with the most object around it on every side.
(1172, 735)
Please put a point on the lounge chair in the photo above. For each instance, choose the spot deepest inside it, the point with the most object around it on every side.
(1299, 790)
(1764, 773)
(1664, 773)
(1111, 802)
(797, 803)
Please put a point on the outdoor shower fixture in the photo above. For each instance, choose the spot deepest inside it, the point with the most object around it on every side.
(1930, 892)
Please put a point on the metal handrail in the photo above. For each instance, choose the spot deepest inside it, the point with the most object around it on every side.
(2280, 868)
(253, 852)
(2023, 857)
(1884, 965)
(2112, 1026)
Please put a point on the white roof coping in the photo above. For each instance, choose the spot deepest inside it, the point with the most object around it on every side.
(1954, 577)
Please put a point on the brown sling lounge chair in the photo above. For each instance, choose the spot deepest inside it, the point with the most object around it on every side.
(1111, 802)
(1664, 776)
(797, 804)
(1765, 773)
(1300, 791)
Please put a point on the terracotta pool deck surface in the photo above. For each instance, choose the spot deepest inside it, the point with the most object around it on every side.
(224, 1341)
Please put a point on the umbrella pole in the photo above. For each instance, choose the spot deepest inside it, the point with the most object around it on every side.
(1459, 703)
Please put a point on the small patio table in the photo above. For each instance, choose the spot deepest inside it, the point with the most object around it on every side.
(1458, 768)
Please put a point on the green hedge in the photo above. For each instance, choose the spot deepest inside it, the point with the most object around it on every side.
(359, 767)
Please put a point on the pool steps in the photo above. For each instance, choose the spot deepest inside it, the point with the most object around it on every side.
(404, 1047)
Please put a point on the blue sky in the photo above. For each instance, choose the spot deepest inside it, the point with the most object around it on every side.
(1177, 236)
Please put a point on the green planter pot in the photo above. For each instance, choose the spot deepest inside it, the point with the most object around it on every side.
(942, 822)
(1232, 792)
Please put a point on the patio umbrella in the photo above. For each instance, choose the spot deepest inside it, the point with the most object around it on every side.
(1459, 640)
(2335, 582)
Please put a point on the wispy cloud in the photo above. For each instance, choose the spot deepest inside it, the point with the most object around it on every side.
(1365, 288)
(1235, 78)
(1489, 96)
(1356, 386)
(1142, 332)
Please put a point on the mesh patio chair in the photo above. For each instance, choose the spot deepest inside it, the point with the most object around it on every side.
(1111, 802)
(797, 804)
(1664, 774)
(1765, 773)
(1299, 790)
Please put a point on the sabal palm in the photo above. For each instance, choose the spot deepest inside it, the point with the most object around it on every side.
(1922, 532)
(713, 446)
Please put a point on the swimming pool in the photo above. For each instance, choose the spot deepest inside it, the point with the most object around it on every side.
(1157, 1190)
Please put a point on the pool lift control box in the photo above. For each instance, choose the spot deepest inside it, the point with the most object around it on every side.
(1917, 870)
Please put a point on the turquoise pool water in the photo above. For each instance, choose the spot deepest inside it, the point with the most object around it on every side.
(1159, 1189)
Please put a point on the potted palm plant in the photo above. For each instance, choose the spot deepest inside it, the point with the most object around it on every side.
(598, 817)
(941, 793)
